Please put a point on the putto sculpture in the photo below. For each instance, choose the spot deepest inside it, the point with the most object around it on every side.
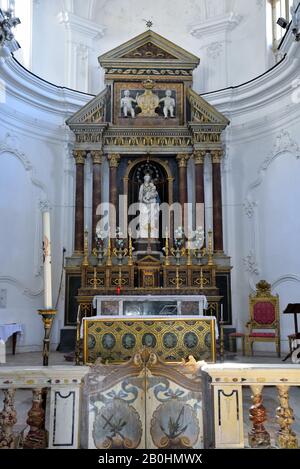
(169, 104)
(126, 104)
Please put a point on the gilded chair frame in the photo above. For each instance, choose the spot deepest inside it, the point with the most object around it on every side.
(263, 294)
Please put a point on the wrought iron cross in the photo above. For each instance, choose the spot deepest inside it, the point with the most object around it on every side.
(149, 23)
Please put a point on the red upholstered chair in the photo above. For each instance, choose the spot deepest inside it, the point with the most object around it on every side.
(264, 317)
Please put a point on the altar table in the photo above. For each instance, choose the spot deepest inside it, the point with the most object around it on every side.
(8, 330)
(117, 339)
(155, 305)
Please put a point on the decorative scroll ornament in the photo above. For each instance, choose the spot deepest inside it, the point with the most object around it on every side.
(7, 23)
(263, 288)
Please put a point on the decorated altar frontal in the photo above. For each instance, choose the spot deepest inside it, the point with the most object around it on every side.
(117, 339)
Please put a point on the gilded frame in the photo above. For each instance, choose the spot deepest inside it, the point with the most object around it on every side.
(121, 86)
(118, 319)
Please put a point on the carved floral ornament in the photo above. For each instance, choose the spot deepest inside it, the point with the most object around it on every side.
(217, 156)
(97, 156)
(182, 159)
(114, 159)
(199, 157)
(79, 156)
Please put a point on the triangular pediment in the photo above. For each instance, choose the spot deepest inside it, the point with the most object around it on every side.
(94, 112)
(204, 113)
(148, 46)
(148, 51)
(148, 259)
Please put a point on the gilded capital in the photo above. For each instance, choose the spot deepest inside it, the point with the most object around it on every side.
(79, 156)
(97, 156)
(182, 159)
(113, 159)
(199, 157)
(216, 156)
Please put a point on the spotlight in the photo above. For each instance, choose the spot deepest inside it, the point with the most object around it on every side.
(282, 22)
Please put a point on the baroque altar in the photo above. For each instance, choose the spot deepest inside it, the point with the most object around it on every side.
(147, 138)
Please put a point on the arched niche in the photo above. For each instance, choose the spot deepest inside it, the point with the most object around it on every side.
(162, 177)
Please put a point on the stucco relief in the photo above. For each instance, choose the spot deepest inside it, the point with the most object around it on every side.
(284, 143)
(10, 146)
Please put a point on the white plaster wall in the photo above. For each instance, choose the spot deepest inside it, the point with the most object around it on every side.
(35, 166)
(229, 36)
(261, 174)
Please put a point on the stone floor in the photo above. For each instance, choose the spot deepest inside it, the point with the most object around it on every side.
(57, 358)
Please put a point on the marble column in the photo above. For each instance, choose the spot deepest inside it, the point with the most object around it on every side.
(97, 162)
(114, 159)
(182, 159)
(217, 200)
(199, 157)
(79, 156)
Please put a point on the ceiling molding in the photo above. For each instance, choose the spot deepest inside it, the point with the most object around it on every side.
(81, 25)
(216, 26)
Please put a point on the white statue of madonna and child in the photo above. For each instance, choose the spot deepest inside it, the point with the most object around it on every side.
(149, 209)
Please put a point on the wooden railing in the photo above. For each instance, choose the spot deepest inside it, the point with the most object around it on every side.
(227, 384)
(55, 389)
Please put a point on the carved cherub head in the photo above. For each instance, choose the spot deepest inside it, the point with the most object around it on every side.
(168, 93)
(126, 93)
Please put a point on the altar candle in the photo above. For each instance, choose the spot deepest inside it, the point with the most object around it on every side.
(47, 261)
(221, 313)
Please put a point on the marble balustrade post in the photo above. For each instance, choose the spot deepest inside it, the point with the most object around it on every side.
(8, 419)
(80, 157)
(217, 200)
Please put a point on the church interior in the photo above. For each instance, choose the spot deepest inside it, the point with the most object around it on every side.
(149, 185)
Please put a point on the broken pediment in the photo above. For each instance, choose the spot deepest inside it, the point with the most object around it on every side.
(204, 113)
(93, 112)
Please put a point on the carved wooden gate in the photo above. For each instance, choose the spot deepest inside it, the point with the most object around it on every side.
(144, 403)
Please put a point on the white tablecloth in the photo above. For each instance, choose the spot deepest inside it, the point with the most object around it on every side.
(7, 330)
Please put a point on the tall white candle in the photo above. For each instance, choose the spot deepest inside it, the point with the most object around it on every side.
(221, 312)
(47, 261)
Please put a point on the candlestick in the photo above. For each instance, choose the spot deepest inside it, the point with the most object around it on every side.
(130, 249)
(167, 260)
(222, 340)
(47, 316)
(189, 260)
(77, 347)
(108, 259)
(47, 260)
(210, 248)
(85, 260)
